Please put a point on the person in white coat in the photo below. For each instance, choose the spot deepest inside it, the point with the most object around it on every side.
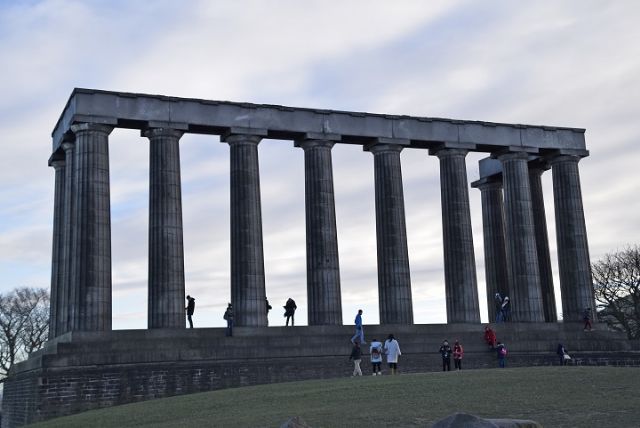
(392, 349)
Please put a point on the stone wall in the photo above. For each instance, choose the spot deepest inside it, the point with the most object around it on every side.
(80, 372)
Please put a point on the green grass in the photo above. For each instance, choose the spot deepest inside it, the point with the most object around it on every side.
(553, 396)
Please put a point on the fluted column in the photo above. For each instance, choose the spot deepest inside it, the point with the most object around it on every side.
(323, 268)
(57, 251)
(166, 250)
(91, 218)
(542, 242)
(461, 285)
(526, 297)
(571, 232)
(495, 250)
(394, 278)
(67, 293)
(247, 257)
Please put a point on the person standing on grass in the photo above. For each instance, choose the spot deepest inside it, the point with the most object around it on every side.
(501, 350)
(458, 352)
(356, 356)
(359, 330)
(228, 317)
(376, 356)
(445, 352)
(191, 306)
(392, 349)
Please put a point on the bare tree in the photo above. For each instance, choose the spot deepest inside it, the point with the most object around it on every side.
(616, 280)
(24, 324)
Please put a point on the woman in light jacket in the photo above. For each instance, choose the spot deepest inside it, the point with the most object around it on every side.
(392, 349)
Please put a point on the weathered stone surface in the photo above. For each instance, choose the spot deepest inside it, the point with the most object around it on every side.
(91, 223)
(542, 242)
(394, 277)
(459, 257)
(216, 117)
(571, 233)
(247, 255)
(495, 254)
(526, 296)
(323, 268)
(57, 251)
(166, 249)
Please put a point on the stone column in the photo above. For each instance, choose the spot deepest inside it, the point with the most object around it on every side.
(573, 249)
(394, 278)
(323, 269)
(526, 297)
(91, 222)
(542, 242)
(495, 250)
(57, 251)
(461, 285)
(166, 250)
(247, 257)
(67, 293)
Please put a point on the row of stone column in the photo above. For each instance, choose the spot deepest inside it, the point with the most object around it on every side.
(81, 273)
(515, 231)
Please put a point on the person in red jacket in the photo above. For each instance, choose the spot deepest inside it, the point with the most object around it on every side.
(458, 352)
(490, 337)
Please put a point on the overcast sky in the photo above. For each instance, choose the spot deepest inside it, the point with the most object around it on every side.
(563, 63)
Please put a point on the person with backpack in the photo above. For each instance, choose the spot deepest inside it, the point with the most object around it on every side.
(502, 354)
(445, 352)
(228, 316)
(376, 356)
(458, 352)
(356, 356)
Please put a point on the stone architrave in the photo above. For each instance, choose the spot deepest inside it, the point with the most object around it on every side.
(571, 232)
(495, 250)
(91, 222)
(323, 269)
(57, 251)
(166, 249)
(394, 277)
(526, 296)
(542, 242)
(247, 254)
(461, 285)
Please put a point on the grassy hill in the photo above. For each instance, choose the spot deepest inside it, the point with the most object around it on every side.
(553, 396)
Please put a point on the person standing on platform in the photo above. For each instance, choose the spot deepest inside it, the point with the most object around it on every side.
(356, 356)
(392, 349)
(290, 310)
(586, 317)
(359, 330)
(376, 356)
(501, 350)
(505, 310)
(268, 308)
(445, 352)
(498, 302)
(228, 316)
(191, 306)
(458, 353)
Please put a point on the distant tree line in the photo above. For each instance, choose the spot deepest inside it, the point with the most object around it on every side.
(24, 325)
(616, 282)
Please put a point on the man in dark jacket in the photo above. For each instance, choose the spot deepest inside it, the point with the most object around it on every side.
(289, 311)
(228, 316)
(445, 352)
(191, 305)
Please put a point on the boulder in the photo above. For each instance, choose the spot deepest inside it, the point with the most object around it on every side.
(295, 422)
